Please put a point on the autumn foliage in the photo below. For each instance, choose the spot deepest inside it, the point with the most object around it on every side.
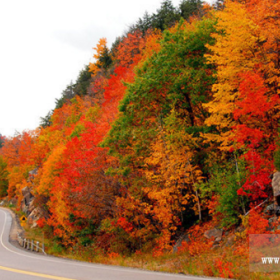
(177, 127)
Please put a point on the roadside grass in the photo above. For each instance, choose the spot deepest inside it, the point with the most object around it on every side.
(221, 262)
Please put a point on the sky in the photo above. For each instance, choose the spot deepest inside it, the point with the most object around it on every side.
(45, 44)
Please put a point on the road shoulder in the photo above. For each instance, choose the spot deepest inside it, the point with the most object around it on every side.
(15, 228)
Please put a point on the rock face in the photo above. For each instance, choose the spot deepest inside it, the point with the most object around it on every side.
(272, 208)
(178, 244)
(34, 216)
(27, 198)
(28, 205)
(272, 220)
(215, 233)
(240, 229)
(31, 206)
(276, 184)
(230, 241)
(32, 174)
(25, 191)
(275, 207)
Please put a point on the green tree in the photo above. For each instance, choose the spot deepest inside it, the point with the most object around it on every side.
(115, 45)
(106, 59)
(188, 8)
(219, 4)
(276, 155)
(166, 16)
(4, 182)
(225, 180)
(46, 121)
(83, 82)
(177, 78)
(143, 24)
(2, 140)
(66, 96)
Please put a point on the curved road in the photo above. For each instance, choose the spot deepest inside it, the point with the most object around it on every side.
(17, 264)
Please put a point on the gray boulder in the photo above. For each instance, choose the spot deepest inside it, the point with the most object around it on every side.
(27, 198)
(34, 216)
(230, 241)
(31, 206)
(276, 184)
(32, 174)
(184, 237)
(272, 208)
(213, 233)
(25, 191)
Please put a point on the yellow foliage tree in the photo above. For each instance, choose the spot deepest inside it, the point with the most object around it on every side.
(49, 171)
(234, 52)
(172, 176)
(102, 57)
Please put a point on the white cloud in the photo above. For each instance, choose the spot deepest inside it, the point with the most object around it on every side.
(44, 45)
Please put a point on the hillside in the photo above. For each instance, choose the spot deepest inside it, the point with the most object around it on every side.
(172, 133)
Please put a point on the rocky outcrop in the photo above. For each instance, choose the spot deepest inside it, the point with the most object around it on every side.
(34, 216)
(271, 209)
(230, 241)
(28, 206)
(215, 233)
(31, 206)
(27, 199)
(276, 184)
(32, 174)
(274, 208)
(27, 194)
(185, 238)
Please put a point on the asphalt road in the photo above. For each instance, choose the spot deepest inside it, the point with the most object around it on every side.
(17, 264)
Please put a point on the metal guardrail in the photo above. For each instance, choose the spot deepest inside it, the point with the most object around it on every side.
(30, 244)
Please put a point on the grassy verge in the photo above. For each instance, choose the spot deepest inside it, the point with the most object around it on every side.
(220, 262)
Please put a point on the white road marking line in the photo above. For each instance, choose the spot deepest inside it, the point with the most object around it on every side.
(71, 262)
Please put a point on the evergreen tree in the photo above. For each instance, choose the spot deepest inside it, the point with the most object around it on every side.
(2, 140)
(83, 82)
(67, 95)
(3, 177)
(115, 45)
(219, 4)
(106, 59)
(143, 24)
(166, 16)
(46, 121)
(188, 8)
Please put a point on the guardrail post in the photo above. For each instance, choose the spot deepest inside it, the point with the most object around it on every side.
(30, 244)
